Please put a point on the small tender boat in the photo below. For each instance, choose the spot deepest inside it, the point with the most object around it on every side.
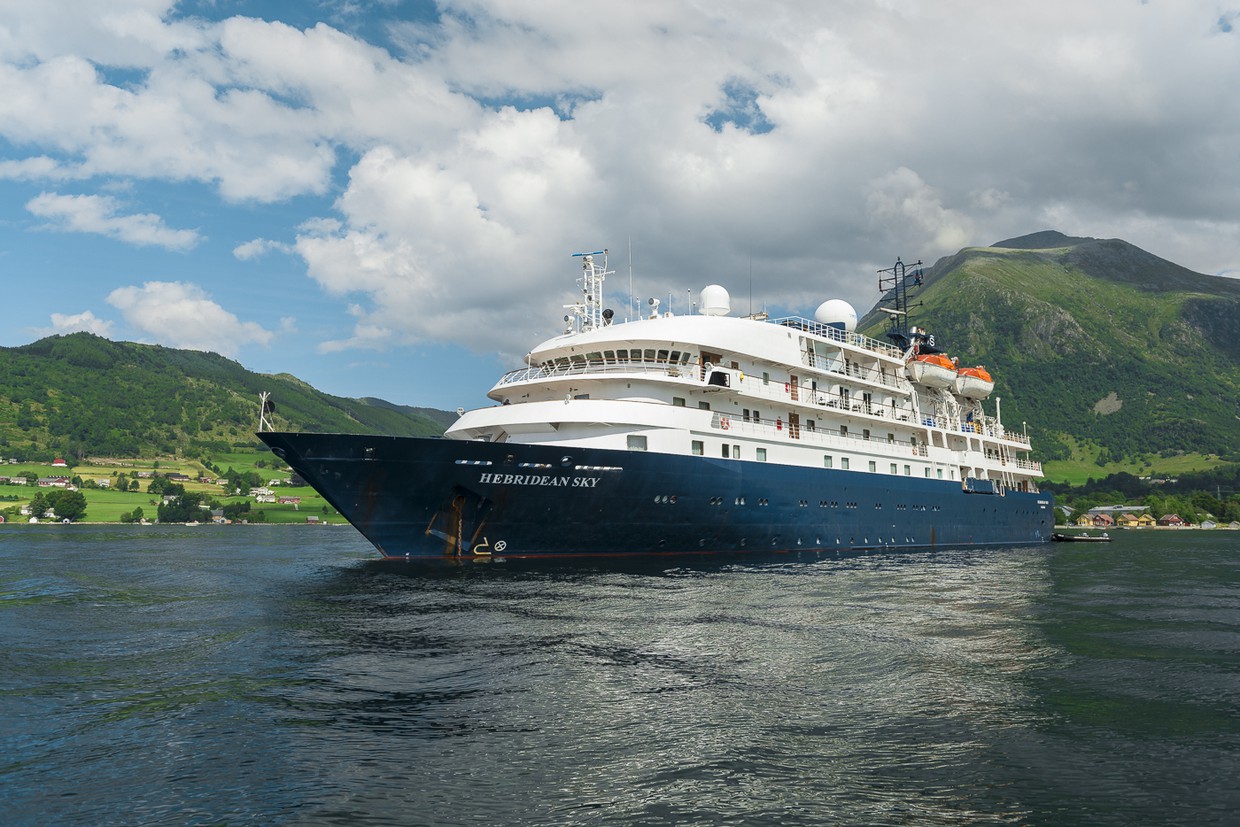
(1081, 538)
(933, 370)
(974, 383)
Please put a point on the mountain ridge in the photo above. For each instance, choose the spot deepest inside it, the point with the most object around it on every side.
(1064, 322)
(80, 394)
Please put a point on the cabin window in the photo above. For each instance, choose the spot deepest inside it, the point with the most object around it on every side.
(581, 396)
(704, 406)
(894, 469)
(809, 424)
(697, 447)
(745, 414)
(726, 452)
(843, 430)
(844, 463)
(736, 452)
(891, 437)
(678, 401)
(908, 472)
(828, 461)
(940, 473)
(865, 434)
(637, 442)
(873, 466)
(756, 416)
(760, 454)
(766, 378)
(927, 473)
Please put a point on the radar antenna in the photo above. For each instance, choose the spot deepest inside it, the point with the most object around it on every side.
(588, 314)
(894, 284)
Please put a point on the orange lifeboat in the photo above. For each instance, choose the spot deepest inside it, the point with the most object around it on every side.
(974, 383)
(933, 370)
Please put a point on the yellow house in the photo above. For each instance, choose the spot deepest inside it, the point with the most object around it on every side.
(1146, 520)
(1127, 520)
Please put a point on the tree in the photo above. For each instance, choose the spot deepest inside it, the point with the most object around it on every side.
(68, 505)
(165, 487)
(182, 509)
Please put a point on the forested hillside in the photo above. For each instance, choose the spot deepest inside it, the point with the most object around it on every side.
(81, 395)
(1093, 342)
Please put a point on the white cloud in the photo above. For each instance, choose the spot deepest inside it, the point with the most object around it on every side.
(78, 322)
(98, 214)
(815, 140)
(259, 247)
(182, 315)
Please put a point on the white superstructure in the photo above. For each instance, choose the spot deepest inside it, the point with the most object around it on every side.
(789, 391)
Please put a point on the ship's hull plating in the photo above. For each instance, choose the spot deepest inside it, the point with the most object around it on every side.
(419, 497)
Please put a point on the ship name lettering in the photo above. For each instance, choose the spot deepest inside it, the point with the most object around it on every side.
(536, 479)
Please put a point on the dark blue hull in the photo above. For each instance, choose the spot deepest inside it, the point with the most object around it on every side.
(418, 497)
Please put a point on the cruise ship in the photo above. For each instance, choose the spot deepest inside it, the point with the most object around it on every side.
(704, 432)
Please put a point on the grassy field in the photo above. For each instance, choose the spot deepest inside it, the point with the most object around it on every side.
(1079, 471)
(104, 505)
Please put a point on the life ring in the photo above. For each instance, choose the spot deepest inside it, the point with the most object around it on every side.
(779, 424)
(787, 387)
(914, 452)
(723, 422)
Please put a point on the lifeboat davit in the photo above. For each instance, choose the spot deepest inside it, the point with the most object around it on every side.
(974, 383)
(932, 370)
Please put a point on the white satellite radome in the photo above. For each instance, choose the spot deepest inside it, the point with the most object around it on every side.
(836, 313)
(715, 301)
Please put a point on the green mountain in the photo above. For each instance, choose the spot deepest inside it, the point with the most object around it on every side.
(1092, 342)
(81, 395)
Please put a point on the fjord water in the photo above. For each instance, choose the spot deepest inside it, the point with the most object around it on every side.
(280, 675)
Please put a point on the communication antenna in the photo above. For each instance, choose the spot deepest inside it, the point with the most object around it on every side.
(632, 297)
(587, 314)
(265, 407)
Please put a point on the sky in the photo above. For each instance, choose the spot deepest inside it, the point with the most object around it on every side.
(381, 197)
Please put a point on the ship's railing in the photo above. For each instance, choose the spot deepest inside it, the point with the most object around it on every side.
(834, 334)
(772, 429)
(596, 367)
(779, 429)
